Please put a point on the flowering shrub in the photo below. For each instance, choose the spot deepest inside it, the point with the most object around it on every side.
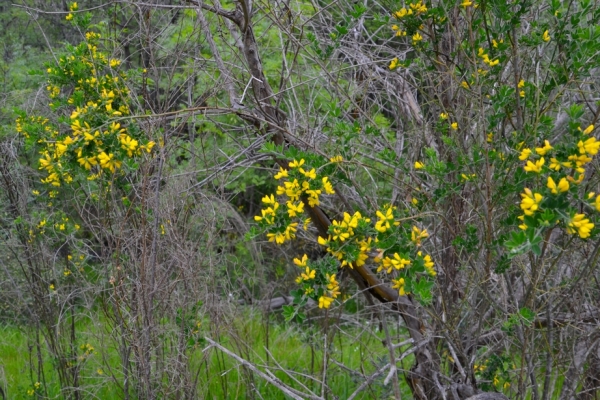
(394, 247)
(95, 138)
(559, 196)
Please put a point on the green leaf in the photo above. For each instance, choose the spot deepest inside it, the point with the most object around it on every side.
(527, 315)
(423, 291)
(289, 312)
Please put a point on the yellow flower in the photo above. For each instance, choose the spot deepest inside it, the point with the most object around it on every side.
(490, 137)
(114, 63)
(128, 144)
(312, 174)
(149, 146)
(428, 264)
(521, 84)
(419, 7)
(301, 262)
(534, 167)
(283, 173)
(69, 17)
(307, 275)
(399, 32)
(88, 162)
(597, 203)
(590, 146)
(290, 189)
(296, 164)
(543, 150)
(383, 224)
(51, 287)
(294, 209)
(419, 165)
(554, 164)
(417, 38)
(588, 130)
(73, 7)
(454, 126)
(493, 63)
(563, 185)
(578, 180)
(581, 225)
(46, 162)
(336, 159)
(399, 262)
(327, 186)
(401, 13)
(333, 286)
(522, 93)
(107, 161)
(278, 238)
(525, 153)
(443, 116)
(305, 224)
(417, 234)
(325, 302)
(464, 84)
(394, 63)
(546, 37)
(385, 264)
(530, 201)
(523, 226)
(466, 3)
(399, 284)
(313, 197)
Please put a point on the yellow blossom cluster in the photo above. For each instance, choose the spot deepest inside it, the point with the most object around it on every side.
(427, 263)
(299, 185)
(559, 181)
(413, 10)
(486, 59)
(417, 235)
(397, 262)
(530, 201)
(398, 31)
(343, 242)
(351, 247)
(87, 350)
(302, 182)
(333, 291)
(93, 140)
(269, 217)
(546, 36)
(586, 149)
(581, 225)
(317, 282)
(385, 219)
(350, 240)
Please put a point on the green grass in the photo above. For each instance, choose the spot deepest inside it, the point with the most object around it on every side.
(298, 351)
